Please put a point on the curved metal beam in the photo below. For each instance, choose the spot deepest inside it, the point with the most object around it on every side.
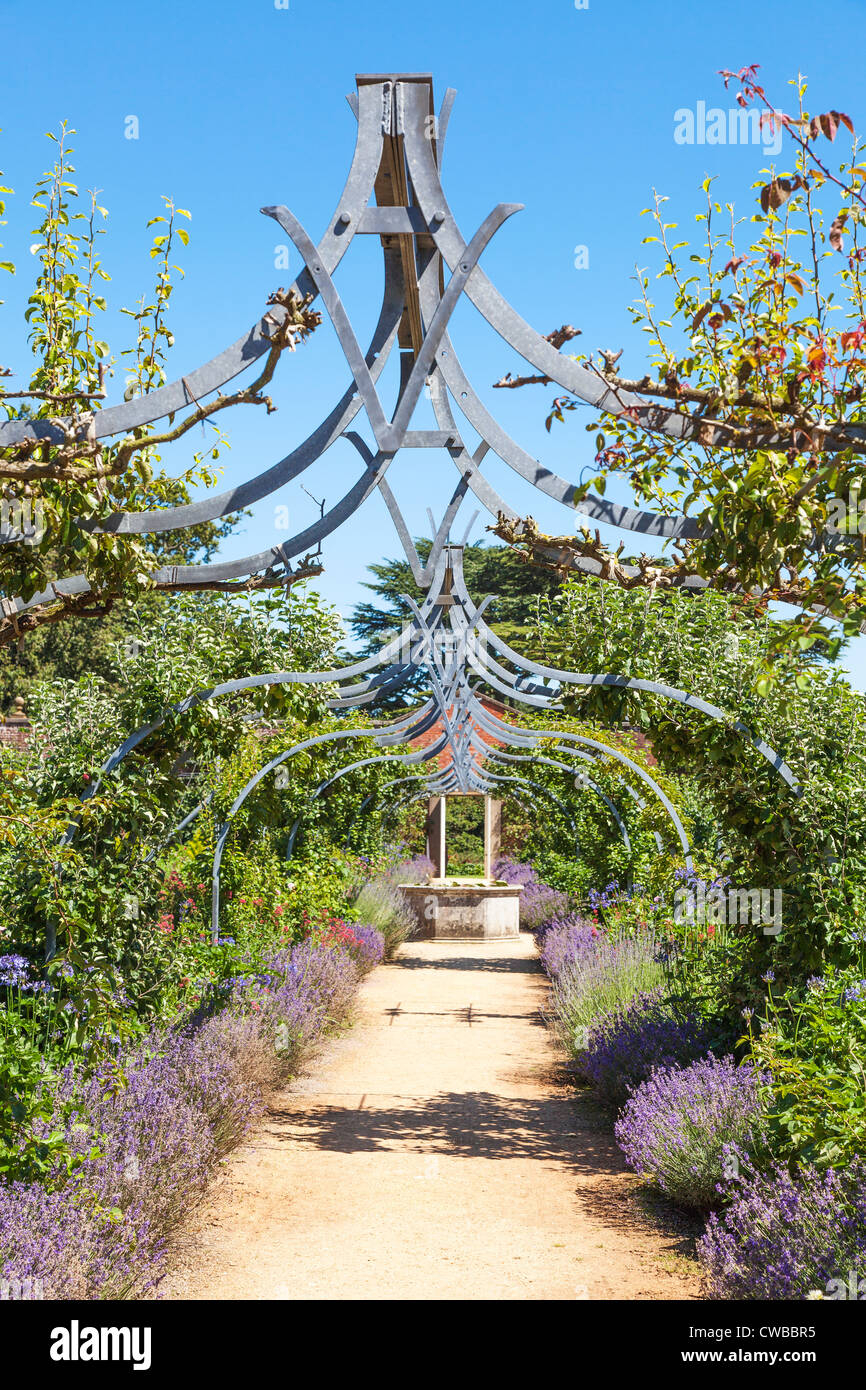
(314, 446)
(264, 772)
(498, 756)
(609, 679)
(534, 348)
(324, 787)
(515, 738)
(167, 400)
(618, 756)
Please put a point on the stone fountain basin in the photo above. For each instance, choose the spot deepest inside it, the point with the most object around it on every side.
(465, 909)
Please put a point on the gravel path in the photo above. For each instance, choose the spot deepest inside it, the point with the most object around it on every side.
(434, 1151)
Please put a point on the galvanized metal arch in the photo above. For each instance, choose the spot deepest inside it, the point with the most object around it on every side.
(167, 400)
(522, 463)
(262, 773)
(588, 757)
(397, 108)
(293, 464)
(325, 786)
(545, 791)
(498, 756)
(536, 350)
(777, 763)
(480, 714)
(626, 682)
(334, 676)
(609, 751)
(390, 435)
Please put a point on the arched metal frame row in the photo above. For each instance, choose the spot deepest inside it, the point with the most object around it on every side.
(454, 703)
(420, 239)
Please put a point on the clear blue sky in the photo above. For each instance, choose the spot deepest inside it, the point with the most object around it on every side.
(570, 111)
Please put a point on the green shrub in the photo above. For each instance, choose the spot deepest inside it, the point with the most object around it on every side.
(813, 1046)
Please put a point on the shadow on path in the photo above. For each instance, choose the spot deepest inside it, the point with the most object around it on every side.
(469, 1124)
(563, 1131)
(510, 965)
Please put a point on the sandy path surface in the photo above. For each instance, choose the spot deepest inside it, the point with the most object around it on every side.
(434, 1151)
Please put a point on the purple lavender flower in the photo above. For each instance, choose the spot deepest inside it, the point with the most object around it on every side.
(787, 1236)
(629, 1042)
(563, 940)
(539, 904)
(676, 1125)
(381, 904)
(370, 950)
(143, 1130)
(512, 871)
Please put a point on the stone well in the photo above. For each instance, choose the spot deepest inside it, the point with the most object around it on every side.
(465, 909)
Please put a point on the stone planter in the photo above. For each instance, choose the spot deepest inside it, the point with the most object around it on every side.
(465, 909)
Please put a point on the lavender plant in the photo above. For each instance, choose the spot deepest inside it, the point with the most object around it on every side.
(380, 903)
(677, 1125)
(514, 872)
(368, 946)
(627, 1044)
(539, 903)
(596, 980)
(146, 1126)
(563, 940)
(788, 1236)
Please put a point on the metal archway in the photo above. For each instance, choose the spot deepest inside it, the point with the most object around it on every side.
(603, 749)
(394, 192)
(252, 783)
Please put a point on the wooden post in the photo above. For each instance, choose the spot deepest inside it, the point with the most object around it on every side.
(492, 833)
(436, 849)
